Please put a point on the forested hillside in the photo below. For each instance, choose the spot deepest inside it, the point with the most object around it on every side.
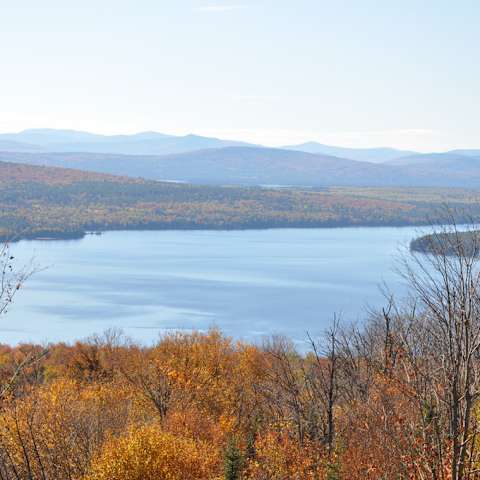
(51, 202)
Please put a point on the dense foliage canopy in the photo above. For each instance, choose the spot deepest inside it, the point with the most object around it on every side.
(54, 202)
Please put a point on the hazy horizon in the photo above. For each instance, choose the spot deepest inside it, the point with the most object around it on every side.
(239, 139)
(273, 73)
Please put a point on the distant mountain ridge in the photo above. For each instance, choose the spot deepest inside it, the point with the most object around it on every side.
(373, 155)
(144, 143)
(12, 146)
(467, 153)
(438, 159)
(155, 143)
(197, 159)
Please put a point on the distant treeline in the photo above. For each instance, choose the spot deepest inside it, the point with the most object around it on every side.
(60, 203)
(448, 243)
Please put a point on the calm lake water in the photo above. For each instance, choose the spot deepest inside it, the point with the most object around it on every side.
(250, 284)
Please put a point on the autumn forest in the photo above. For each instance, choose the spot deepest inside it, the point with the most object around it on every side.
(394, 398)
(239, 240)
(52, 202)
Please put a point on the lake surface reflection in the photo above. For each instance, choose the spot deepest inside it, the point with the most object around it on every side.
(250, 284)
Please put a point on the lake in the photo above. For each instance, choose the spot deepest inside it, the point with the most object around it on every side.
(250, 284)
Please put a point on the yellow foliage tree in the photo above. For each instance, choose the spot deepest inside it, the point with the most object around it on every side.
(149, 453)
(278, 457)
(53, 431)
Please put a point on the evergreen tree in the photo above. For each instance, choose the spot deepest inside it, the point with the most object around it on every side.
(233, 461)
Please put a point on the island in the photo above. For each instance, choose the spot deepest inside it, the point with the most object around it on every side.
(448, 243)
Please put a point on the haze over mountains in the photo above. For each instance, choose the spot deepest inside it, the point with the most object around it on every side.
(144, 143)
(197, 159)
(373, 155)
(230, 165)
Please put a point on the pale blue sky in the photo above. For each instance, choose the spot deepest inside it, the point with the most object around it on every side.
(354, 73)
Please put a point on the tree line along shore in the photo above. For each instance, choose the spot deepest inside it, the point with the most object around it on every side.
(45, 202)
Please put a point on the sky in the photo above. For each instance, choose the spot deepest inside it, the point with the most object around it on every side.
(361, 73)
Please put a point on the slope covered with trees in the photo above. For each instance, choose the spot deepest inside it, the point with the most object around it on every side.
(64, 203)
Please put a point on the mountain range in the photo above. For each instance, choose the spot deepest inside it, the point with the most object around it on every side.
(144, 143)
(197, 159)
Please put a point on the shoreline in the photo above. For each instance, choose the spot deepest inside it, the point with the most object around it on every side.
(79, 235)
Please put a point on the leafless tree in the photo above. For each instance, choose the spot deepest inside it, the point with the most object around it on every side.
(12, 277)
(322, 380)
(444, 354)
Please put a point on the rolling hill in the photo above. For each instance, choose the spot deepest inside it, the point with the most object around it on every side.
(12, 146)
(230, 165)
(269, 166)
(450, 159)
(457, 168)
(468, 153)
(373, 155)
(53, 202)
